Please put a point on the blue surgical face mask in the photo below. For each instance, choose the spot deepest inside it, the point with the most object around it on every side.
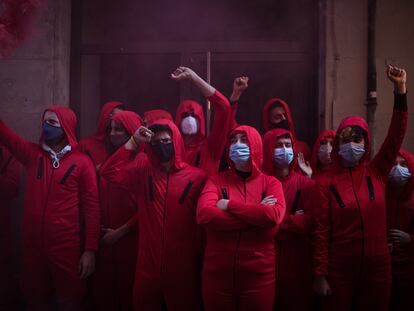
(399, 175)
(351, 153)
(52, 134)
(239, 153)
(282, 157)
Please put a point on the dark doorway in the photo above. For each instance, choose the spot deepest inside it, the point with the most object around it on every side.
(125, 50)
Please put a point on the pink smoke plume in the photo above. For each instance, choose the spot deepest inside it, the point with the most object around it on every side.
(16, 23)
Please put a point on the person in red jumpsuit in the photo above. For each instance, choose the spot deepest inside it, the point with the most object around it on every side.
(167, 189)
(201, 151)
(153, 115)
(9, 188)
(321, 153)
(95, 146)
(115, 266)
(276, 114)
(293, 249)
(400, 212)
(60, 227)
(351, 258)
(240, 210)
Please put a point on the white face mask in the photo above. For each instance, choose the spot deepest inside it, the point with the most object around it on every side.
(324, 154)
(239, 153)
(399, 175)
(189, 125)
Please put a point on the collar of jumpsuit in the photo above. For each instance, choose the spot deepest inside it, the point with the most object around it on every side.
(67, 119)
(177, 140)
(254, 141)
(269, 145)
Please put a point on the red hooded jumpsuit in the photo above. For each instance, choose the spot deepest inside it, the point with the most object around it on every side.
(351, 247)
(314, 162)
(400, 212)
(300, 145)
(167, 266)
(293, 248)
(60, 218)
(94, 146)
(201, 151)
(115, 266)
(239, 260)
(9, 186)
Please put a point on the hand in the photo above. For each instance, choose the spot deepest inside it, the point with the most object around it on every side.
(300, 212)
(143, 135)
(321, 286)
(269, 200)
(98, 167)
(399, 237)
(110, 237)
(399, 77)
(86, 264)
(240, 84)
(222, 204)
(390, 248)
(183, 73)
(304, 165)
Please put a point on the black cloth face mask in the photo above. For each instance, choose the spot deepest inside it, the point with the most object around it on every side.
(164, 152)
(284, 124)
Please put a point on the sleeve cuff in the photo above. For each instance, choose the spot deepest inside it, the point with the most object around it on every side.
(400, 102)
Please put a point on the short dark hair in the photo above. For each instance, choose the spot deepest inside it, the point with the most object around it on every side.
(284, 136)
(160, 128)
(276, 104)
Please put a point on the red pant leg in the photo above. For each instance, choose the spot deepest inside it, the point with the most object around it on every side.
(147, 292)
(69, 288)
(35, 280)
(258, 299)
(217, 296)
(374, 288)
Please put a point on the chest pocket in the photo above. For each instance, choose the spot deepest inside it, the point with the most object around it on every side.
(337, 197)
(185, 192)
(296, 202)
(39, 174)
(225, 193)
(370, 188)
(67, 174)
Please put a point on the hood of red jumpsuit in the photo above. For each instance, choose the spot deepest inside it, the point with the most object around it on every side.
(104, 119)
(129, 120)
(346, 122)
(67, 119)
(191, 106)
(151, 116)
(325, 134)
(269, 145)
(254, 141)
(409, 187)
(266, 113)
(177, 140)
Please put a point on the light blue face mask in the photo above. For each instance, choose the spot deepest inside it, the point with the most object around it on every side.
(239, 153)
(399, 175)
(351, 152)
(282, 157)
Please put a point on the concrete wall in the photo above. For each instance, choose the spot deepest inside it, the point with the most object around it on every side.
(346, 60)
(37, 74)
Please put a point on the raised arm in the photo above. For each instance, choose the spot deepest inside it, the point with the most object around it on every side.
(267, 213)
(221, 106)
(384, 159)
(210, 216)
(20, 148)
(240, 84)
